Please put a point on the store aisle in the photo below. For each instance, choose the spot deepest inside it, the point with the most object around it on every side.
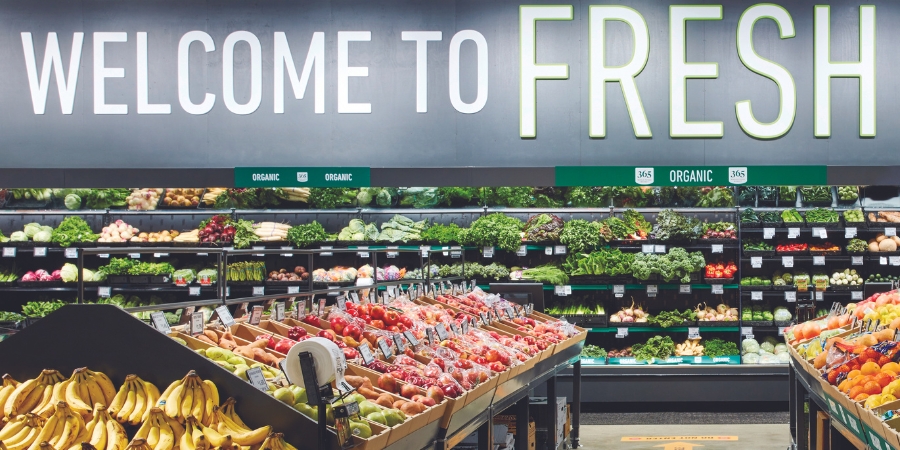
(686, 437)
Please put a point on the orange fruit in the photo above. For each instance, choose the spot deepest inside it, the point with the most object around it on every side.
(870, 368)
(853, 374)
(883, 379)
(860, 397)
(892, 366)
(854, 391)
(844, 386)
(872, 388)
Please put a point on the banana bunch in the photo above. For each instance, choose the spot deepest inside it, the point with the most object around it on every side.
(133, 401)
(271, 231)
(229, 424)
(209, 197)
(293, 194)
(103, 432)
(21, 432)
(34, 395)
(190, 396)
(86, 388)
(6, 389)
(276, 441)
(159, 431)
(64, 429)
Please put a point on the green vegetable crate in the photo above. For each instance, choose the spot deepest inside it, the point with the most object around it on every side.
(585, 320)
(679, 360)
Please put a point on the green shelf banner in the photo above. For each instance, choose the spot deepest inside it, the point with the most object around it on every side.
(691, 175)
(255, 177)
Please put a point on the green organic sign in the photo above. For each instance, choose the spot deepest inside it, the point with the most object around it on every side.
(875, 440)
(245, 177)
(691, 175)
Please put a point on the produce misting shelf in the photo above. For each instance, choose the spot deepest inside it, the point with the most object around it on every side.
(664, 330)
(628, 287)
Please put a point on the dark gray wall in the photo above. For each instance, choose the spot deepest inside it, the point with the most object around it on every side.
(394, 135)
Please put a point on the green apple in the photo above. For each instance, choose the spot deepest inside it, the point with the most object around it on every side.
(377, 417)
(366, 407)
(393, 417)
(360, 429)
(357, 397)
(299, 393)
(284, 395)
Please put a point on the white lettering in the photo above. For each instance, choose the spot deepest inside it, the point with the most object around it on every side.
(530, 71)
(266, 177)
(143, 85)
(681, 70)
(345, 71)
(284, 61)
(52, 61)
(255, 72)
(421, 38)
(184, 82)
(101, 72)
(482, 90)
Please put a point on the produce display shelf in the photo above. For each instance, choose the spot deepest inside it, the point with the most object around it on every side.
(660, 329)
(628, 287)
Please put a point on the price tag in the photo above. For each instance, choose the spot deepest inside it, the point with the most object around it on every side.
(354, 297)
(202, 254)
(321, 307)
(485, 318)
(488, 252)
(646, 248)
(455, 252)
(160, 322)
(787, 261)
(385, 348)
(134, 255)
(510, 314)
(366, 354)
(454, 328)
(756, 262)
(411, 338)
(790, 296)
(756, 295)
(819, 231)
(652, 289)
(196, 323)
(768, 233)
(820, 296)
(103, 291)
(856, 260)
(279, 311)
(684, 289)
(104, 255)
(659, 248)
(42, 251)
(890, 231)
(259, 290)
(618, 290)
(293, 289)
(392, 255)
(793, 233)
(441, 331)
(522, 251)
(693, 332)
(398, 341)
(882, 260)
(718, 289)
(559, 290)
(747, 332)
(718, 248)
(818, 260)
(425, 250)
(257, 379)
(9, 252)
(429, 333)
(894, 260)
(301, 309)
(256, 315)
(287, 255)
(228, 291)
(529, 307)
(464, 327)
(850, 232)
(160, 255)
(856, 295)
(362, 254)
(780, 331)
(225, 316)
(548, 250)
(621, 332)
(559, 250)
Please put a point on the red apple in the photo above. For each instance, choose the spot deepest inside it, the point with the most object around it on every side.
(428, 401)
(388, 383)
(377, 312)
(352, 330)
(296, 333)
(284, 345)
(327, 334)
(417, 397)
(350, 353)
(377, 324)
(337, 324)
(492, 355)
(408, 390)
(270, 341)
(406, 321)
(435, 393)
(313, 320)
(391, 318)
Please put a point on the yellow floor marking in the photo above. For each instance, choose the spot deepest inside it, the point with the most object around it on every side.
(678, 446)
(678, 438)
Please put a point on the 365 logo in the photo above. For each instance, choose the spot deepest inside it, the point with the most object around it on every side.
(737, 175)
(302, 177)
(643, 175)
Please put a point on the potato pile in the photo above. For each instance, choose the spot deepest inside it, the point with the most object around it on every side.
(882, 243)
(182, 197)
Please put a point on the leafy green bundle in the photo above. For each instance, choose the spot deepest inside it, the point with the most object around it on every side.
(580, 235)
(72, 229)
(657, 347)
(494, 230)
(306, 234)
(717, 347)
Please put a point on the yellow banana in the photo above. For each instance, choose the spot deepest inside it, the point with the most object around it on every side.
(9, 386)
(211, 397)
(166, 435)
(26, 442)
(74, 396)
(23, 439)
(13, 427)
(97, 432)
(33, 399)
(165, 395)
(215, 438)
(187, 401)
(96, 394)
(143, 431)
(176, 427)
(140, 404)
(11, 408)
(153, 435)
(197, 436)
(228, 410)
(128, 406)
(241, 436)
(46, 399)
(106, 385)
(173, 402)
(187, 442)
(59, 395)
(199, 401)
(152, 394)
(59, 440)
(116, 438)
(119, 399)
(50, 426)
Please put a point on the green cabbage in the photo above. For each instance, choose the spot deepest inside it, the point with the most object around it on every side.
(18, 236)
(782, 314)
(73, 201)
(42, 236)
(767, 347)
(69, 273)
(31, 229)
(750, 346)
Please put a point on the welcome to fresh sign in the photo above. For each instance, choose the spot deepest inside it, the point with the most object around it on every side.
(439, 82)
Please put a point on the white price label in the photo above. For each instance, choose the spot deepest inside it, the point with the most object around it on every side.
(659, 248)
(787, 261)
(197, 323)
(548, 250)
(354, 297)
(225, 316)
(850, 232)
(160, 322)
(103, 291)
(259, 290)
(287, 255)
(818, 260)
(718, 289)
(718, 248)
(362, 253)
(568, 289)
(646, 248)
(256, 315)
(890, 231)
(790, 296)
(747, 332)
(882, 260)
(780, 331)
(820, 232)
(42, 251)
(756, 295)
(160, 255)
(9, 252)
(684, 289)
(894, 260)
(619, 290)
(228, 291)
(134, 255)
(202, 254)
(396, 254)
(455, 252)
(522, 251)
(856, 295)
(257, 379)
(104, 255)
(756, 262)
(693, 333)
(293, 289)
(793, 233)
(559, 250)
(856, 260)
(326, 248)
(820, 296)
(768, 233)
(70, 252)
(488, 252)
(559, 290)
(621, 332)
(279, 311)
(425, 250)
(194, 291)
(652, 289)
